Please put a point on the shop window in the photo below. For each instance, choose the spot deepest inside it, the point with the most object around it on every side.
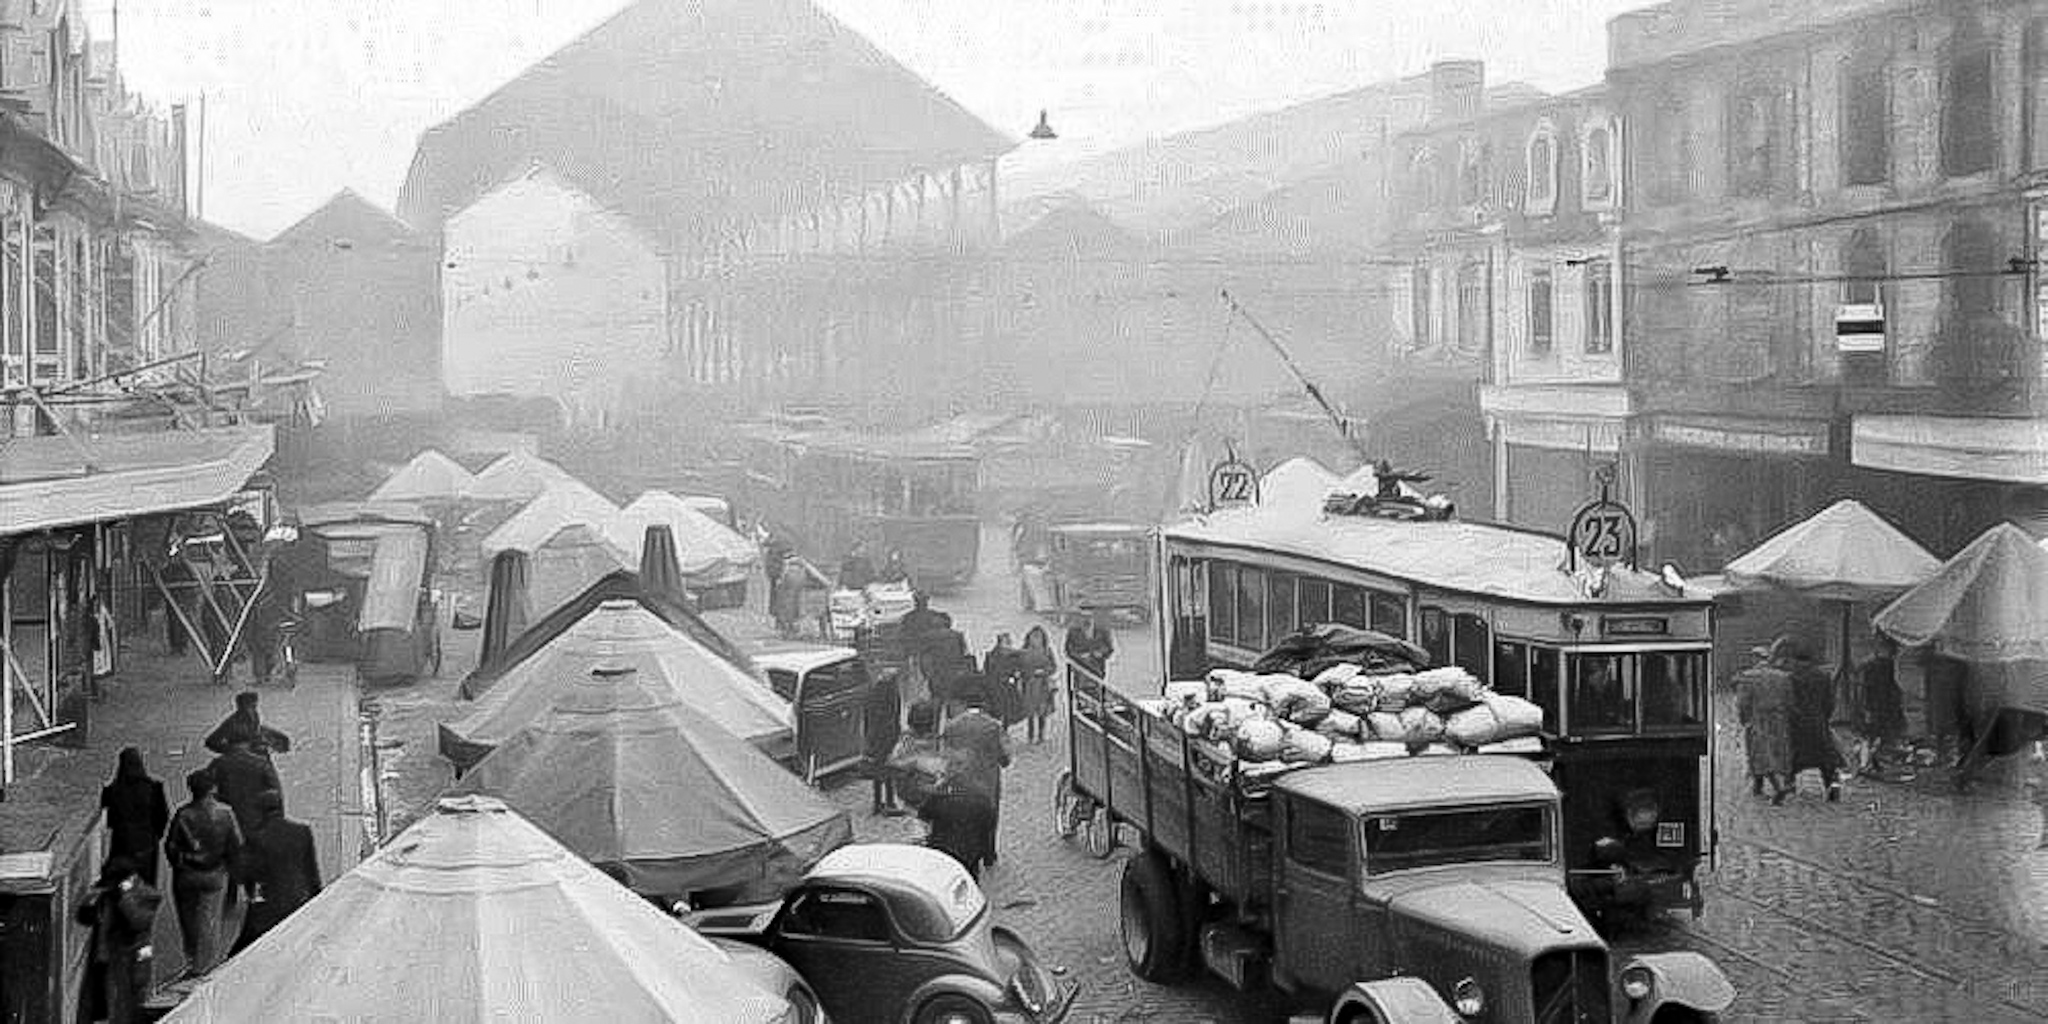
(1674, 690)
(1968, 134)
(1389, 614)
(1314, 602)
(1541, 322)
(1223, 601)
(1472, 646)
(1865, 142)
(1543, 684)
(1251, 608)
(1347, 606)
(1755, 116)
(1603, 697)
(1599, 308)
(1472, 308)
(1318, 837)
(1280, 605)
(1542, 171)
(1596, 184)
(1511, 669)
(1863, 267)
(1436, 635)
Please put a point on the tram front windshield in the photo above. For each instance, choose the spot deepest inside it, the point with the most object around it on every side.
(1635, 692)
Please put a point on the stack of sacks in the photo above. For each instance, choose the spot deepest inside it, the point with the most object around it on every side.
(1346, 714)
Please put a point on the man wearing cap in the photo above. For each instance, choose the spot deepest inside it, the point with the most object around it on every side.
(1763, 703)
(246, 724)
(1813, 707)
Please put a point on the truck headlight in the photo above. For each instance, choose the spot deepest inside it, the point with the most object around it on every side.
(1468, 998)
(1637, 982)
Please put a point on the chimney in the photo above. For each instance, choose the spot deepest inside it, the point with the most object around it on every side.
(1457, 89)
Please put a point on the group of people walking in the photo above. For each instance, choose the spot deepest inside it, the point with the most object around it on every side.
(230, 845)
(1785, 704)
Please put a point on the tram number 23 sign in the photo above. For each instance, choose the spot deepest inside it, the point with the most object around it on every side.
(1603, 533)
(1233, 484)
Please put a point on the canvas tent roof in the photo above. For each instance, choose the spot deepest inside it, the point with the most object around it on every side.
(516, 476)
(562, 504)
(474, 913)
(706, 550)
(626, 774)
(429, 476)
(615, 586)
(629, 634)
(570, 561)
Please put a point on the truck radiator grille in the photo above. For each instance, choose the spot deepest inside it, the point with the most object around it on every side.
(1570, 987)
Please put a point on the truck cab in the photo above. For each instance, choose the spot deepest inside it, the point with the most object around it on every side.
(1446, 874)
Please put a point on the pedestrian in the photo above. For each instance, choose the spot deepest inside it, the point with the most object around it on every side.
(203, 842)
(121, 911)
(1883, 723)
(983, 747)
(246, 724)
(270, 606)
(1949, 722)
(279, 866)
(1089, 644)
(1763, 703)
(881, 728)
(926, 779)
(242, 775)
(787, 602)
(1036, 665)
(894, 570)
(1813, 708)
(137, 814)
(857, 570)
(1000, 671)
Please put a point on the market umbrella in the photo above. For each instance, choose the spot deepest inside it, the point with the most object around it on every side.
(626, 774)
(659, 571)
(507, 607)
(1844, 554)
(622, 632)
(1987, 606)
(475, 914)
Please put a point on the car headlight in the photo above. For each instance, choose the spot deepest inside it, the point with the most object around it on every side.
(1637, 982)
(1468, 998)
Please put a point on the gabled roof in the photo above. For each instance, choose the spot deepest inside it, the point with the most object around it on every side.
(674, 111)
(347, 219)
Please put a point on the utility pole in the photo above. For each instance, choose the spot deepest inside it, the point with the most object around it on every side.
(199, 183)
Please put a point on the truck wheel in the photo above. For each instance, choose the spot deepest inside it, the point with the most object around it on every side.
(1154, 933)
(952, 1009)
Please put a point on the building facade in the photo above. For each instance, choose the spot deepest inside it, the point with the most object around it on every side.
(1784, 164)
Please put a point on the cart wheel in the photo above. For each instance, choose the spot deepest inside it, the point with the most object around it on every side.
(1064, 798)
(1098, 836)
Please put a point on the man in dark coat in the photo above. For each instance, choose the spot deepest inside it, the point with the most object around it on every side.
(280, 867)
(1813, 707)
(982, 747)
(243, 774)
(121, 911)
(246, 724)
(1089, 644)
(202, 842)
(137, 814)
(881, 727)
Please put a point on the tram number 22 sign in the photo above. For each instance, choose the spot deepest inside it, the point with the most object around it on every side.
(1604, 533)
(1233, 484)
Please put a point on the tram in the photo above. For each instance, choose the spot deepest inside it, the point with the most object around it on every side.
(825, 489)
(1617, 658)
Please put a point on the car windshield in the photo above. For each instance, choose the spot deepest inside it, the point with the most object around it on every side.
(952, 906)
(1403, 842)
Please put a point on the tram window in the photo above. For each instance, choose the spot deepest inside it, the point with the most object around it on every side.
(1603, 693)
(1390, 614)
(1471, 641)
(1436, 636)
(1280, 605)
(1511, 669)
(1315, 601)
(1251, 608)
(1223, 601)
(1674, 689)
(1347, 605)
(1543, 684)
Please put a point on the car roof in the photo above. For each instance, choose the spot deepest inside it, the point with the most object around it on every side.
(911, 870)
(1413, 783)
(1100, 527)
(796, 656)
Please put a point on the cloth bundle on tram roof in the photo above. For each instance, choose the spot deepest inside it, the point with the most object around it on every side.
(428, 476)
(474, 913)
(629, 632)
(625, 773)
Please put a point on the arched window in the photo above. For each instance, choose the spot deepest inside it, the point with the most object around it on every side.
(1968, 142)
(1863, 268)
(1542, 170)
(1597, 178)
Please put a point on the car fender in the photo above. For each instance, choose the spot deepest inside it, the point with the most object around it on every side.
(967, 985)
(1679, 979)
(1394, 1001)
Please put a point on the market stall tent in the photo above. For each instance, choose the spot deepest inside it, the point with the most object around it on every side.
(623, 633)
(571, 560)
(531, 636)
(517, 476)
(474, 913)
(708, 553)
(430, 476)
(628, 776)
(559, 506)
(1987, 606)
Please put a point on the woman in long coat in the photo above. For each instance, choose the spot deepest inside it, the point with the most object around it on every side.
(137, 814)
(1037, 666)
(1763, 701)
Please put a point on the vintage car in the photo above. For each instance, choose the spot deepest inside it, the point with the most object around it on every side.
(776, 975)
(1068, 569)
(893, 934)
(827, 688)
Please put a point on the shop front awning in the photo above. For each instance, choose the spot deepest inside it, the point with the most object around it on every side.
(50, 482)
(1964, 448)
(1779, 438)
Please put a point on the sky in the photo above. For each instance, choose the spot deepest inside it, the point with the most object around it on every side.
(308, 97)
